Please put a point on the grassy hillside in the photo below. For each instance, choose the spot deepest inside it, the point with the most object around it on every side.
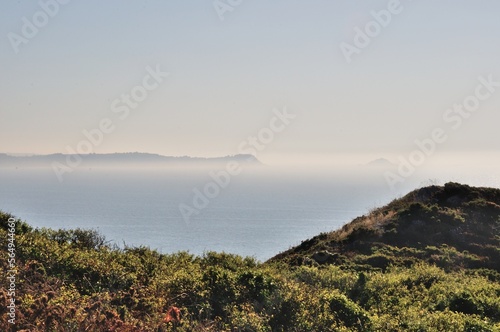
(426, 262)
(453, 227)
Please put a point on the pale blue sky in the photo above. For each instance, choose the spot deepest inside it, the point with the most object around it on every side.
(227, 76)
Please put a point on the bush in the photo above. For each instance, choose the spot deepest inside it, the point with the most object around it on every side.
(78, 238)
(348, 313)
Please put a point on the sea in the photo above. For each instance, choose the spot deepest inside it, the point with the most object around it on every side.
(257, 213)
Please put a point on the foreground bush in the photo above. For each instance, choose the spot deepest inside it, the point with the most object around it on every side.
(68, 287)
(73, 281)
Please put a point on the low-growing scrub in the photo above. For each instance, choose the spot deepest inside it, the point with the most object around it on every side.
(72, 280)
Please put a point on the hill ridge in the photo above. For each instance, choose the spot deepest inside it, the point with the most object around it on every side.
(119, 157)
(423, 224)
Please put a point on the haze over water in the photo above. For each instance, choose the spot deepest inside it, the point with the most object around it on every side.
(260, 213)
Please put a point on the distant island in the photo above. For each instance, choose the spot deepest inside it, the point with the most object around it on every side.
(381, 163)
(118, 159)
(429, 261)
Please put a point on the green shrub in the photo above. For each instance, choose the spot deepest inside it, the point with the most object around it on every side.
(348, 313)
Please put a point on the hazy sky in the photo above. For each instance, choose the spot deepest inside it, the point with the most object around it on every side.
(226, 76)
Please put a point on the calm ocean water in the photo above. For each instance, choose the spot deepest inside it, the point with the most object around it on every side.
(259, 213)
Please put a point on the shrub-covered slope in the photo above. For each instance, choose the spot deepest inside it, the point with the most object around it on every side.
(426, 262)
(452, 226)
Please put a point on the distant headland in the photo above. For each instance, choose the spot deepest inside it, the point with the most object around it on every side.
(118, 159)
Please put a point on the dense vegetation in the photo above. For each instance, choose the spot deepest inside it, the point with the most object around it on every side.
(429, 261)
